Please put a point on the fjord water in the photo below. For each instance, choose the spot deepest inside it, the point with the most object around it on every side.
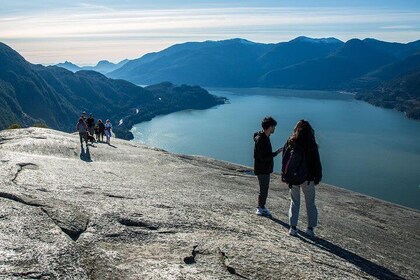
(363, 148)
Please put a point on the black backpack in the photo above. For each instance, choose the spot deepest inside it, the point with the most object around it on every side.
(294, 170)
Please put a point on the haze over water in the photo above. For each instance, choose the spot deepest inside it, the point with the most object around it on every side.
(363, 148)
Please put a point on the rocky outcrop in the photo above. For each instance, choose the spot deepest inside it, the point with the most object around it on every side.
(128, 211)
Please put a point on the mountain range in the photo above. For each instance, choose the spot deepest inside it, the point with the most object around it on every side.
(360, 66)
(56, 97)
(303, 63)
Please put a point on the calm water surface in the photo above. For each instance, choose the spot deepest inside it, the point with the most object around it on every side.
(363, 148)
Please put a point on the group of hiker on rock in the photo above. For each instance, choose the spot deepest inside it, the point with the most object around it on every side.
(87, 128)
(301, 169)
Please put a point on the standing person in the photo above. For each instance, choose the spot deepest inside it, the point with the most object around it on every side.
(91, 124)
(101, 129)
(82, 128)
(97, 133)
(108, 128)
(303, 137)
(264, 162)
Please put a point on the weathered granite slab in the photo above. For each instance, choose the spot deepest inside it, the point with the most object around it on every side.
(128, 211)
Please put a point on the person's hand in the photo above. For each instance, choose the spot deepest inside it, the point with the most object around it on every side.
(279, 150)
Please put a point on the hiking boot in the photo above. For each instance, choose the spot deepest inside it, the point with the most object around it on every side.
(310, 233)
(266, 212)
(293, 231)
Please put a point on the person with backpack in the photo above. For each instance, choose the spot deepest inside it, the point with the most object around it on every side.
(263, 162)
(301, 169)
(81, 127)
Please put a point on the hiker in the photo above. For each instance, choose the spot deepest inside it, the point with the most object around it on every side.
(101, 129)
(91, 124)
(264, 162)
(303, 137)
(97, 133)
(108, 128)
(82, 128)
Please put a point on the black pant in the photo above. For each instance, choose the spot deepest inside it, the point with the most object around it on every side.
(264, 181)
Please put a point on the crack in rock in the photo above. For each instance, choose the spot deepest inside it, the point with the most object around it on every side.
(33, 275)
(21, 199)
(71, 221)
(191, 259)
(135, 223)
(225, 261)
(22, 166)
(117, 196)
(3, 140)
(162, 206)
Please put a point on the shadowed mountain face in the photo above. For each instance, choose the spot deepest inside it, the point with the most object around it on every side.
(230, 62)
(350, 61)
(128, 211)
(296, 51)
(55, 96)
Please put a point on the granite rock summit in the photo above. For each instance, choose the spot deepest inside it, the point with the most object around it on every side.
(129, 211)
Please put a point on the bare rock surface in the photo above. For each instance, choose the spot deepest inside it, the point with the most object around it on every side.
(128, 211)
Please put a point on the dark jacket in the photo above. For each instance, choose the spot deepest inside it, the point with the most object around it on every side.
(263, 154)
(90, 122)
(101, 127)
(313, 162)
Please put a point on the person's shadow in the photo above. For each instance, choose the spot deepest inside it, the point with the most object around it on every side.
(363, 264)
(85, 155)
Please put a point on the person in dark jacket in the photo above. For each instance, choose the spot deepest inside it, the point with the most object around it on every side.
(101, 127)
(304, 136)
(90, 124)
(263, 162)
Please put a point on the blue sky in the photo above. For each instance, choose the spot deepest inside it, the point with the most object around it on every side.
(84, 32)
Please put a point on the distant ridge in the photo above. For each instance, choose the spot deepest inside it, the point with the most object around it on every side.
(103, 66)
(299, 63)
(69, 66)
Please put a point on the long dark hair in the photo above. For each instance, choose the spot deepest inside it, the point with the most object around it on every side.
(303, 135)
